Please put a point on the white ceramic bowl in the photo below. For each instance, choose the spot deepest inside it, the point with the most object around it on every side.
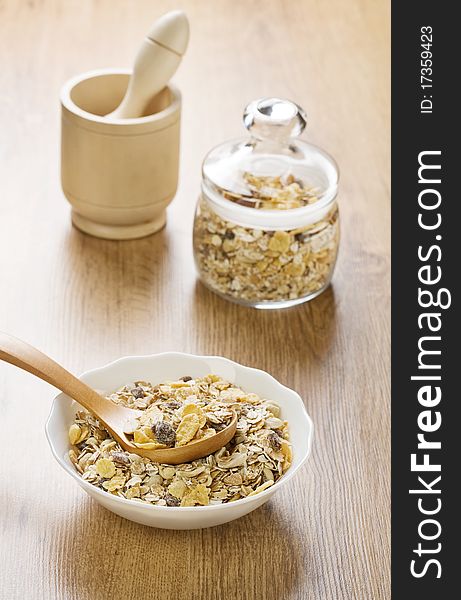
(172, 365)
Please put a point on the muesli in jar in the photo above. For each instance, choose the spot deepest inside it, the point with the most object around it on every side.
(266, 230)
(260, 265)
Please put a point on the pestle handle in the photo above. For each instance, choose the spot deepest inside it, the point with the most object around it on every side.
(156, 62)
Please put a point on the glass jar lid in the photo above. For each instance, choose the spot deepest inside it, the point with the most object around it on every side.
(271, 172)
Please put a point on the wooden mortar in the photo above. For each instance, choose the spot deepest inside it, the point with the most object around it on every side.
(118, 175)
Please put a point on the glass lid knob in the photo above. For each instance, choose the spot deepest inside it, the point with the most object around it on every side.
(274, 119)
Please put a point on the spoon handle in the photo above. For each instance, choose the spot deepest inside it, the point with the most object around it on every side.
(24, 356)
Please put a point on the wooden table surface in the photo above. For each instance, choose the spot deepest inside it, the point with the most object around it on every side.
(86, 302)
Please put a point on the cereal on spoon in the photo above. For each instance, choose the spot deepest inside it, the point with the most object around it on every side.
(167, 423)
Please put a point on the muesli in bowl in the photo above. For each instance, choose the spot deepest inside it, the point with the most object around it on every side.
(176, 413)
(190, 514)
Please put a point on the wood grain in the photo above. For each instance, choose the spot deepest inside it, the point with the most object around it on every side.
(87, 301)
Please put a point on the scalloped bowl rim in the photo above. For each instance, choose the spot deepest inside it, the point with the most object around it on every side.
(193, 509)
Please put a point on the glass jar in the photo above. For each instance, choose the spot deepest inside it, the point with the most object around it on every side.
(266, 229)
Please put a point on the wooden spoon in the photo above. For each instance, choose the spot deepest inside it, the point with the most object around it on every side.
(111, 415)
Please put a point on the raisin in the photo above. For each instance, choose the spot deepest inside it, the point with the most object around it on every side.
(186, 378)
(173, 404)
(229, 235)
(301, 237)
(164, 433)
(171, 500)
(120, 459)
(274, 441)
(218, 426)
(137, 392)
